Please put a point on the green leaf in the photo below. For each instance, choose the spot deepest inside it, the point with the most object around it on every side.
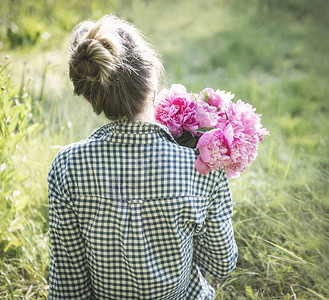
(187, 140)
(31, 129)
(205, 97)
(4, 67)
(195, 98)
(205, 129)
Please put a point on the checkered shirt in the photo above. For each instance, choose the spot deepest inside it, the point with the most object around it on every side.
(131, 218)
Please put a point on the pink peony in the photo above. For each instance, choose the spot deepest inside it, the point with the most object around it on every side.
(209, 96)
(208, 115)
(234, 145)
(215, 150)
(216, 107)
(219, 99)
(177, 110)
(246, 123)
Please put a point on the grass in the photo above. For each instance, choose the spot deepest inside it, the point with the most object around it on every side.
(272, 54)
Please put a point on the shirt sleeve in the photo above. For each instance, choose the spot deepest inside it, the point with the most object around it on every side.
(215, 249)
(69, 277)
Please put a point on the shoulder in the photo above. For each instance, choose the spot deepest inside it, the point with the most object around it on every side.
(66, 155)
(179, 161)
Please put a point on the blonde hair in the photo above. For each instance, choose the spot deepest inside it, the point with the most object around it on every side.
(113, 67)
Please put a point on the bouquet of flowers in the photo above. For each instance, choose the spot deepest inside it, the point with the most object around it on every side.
(225, 135)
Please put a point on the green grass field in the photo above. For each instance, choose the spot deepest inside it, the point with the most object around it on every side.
(272, 54)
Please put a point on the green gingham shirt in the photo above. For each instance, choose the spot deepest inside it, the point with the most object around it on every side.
(131, 218)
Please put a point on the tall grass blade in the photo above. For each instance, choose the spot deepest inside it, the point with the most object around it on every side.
(281, 248)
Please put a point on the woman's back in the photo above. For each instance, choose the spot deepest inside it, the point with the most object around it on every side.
(136, 203)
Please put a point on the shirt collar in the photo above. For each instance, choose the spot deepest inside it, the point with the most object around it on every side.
(125, 130)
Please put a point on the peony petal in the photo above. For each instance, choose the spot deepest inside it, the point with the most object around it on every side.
(231, 174)
(228, 133)
(201, 167)
(215, 100)
(204, 140)
(205, 154)
(177, 89)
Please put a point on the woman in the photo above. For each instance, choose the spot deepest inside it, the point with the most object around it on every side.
(129, 216)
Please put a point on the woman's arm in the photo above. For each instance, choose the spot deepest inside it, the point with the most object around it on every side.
(215, 250)
(69, 277)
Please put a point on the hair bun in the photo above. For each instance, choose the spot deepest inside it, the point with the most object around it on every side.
(93, 59)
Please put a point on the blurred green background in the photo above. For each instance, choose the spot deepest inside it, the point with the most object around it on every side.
(271, 53)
